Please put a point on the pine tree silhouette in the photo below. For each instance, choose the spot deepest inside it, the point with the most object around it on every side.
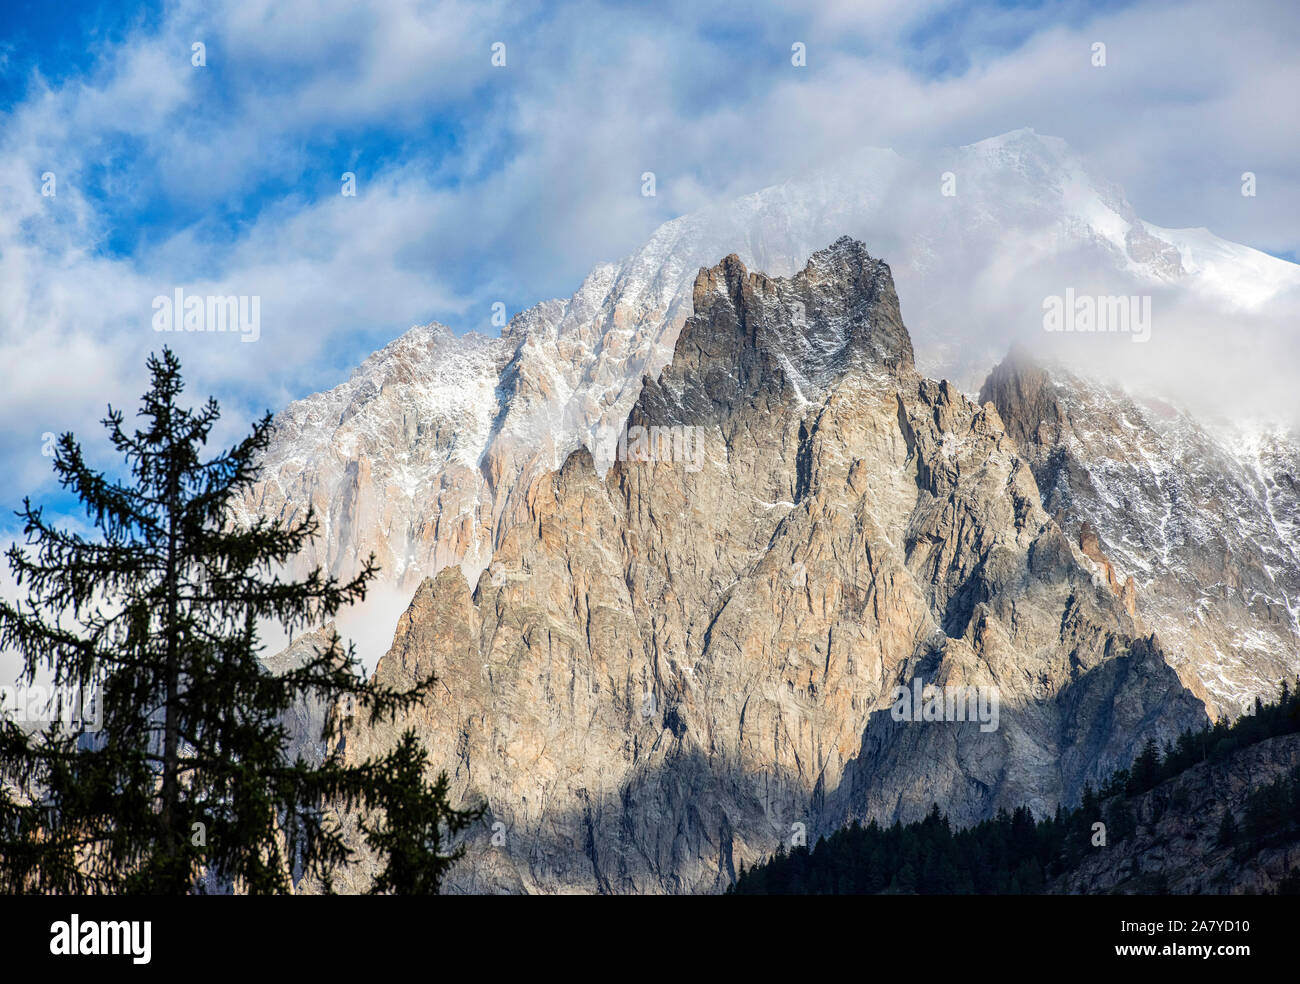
(187, 780)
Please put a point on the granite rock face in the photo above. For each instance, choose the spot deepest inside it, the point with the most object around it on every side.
(676, 666)
(1200, 528)
(418, 455)
(389, 460)
(430, 452)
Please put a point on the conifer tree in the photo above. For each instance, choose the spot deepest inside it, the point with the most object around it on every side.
(186, 781)
(1146, 769)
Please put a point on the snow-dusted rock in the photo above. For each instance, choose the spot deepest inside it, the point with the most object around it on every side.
(1205, 521)
(682, 667)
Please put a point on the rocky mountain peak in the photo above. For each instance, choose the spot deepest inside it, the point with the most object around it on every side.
(417, 456)
(1023, 393)
(672, 668)
(754, 333)
(1192, 528)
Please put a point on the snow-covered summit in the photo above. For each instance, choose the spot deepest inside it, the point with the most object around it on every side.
(431, 449)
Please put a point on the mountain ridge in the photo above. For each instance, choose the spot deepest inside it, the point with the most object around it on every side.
(426, 455)
(649, 694)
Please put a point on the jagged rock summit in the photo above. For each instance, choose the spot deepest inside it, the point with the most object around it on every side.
(1201, 529)
(673, 669)
(419, 455)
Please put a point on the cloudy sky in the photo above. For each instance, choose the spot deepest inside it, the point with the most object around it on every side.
(479, 182)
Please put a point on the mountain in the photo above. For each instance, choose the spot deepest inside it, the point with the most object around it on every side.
(427, 456)
(389, 460)
(1199, 527)
(679, 665)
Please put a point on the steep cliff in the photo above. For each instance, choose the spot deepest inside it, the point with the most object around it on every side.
(429, 453)
(1200, 528)
(693, 658)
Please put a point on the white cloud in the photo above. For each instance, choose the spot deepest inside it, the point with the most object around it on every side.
(540, 177)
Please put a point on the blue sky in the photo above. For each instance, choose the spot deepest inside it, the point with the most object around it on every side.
(479, 183)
